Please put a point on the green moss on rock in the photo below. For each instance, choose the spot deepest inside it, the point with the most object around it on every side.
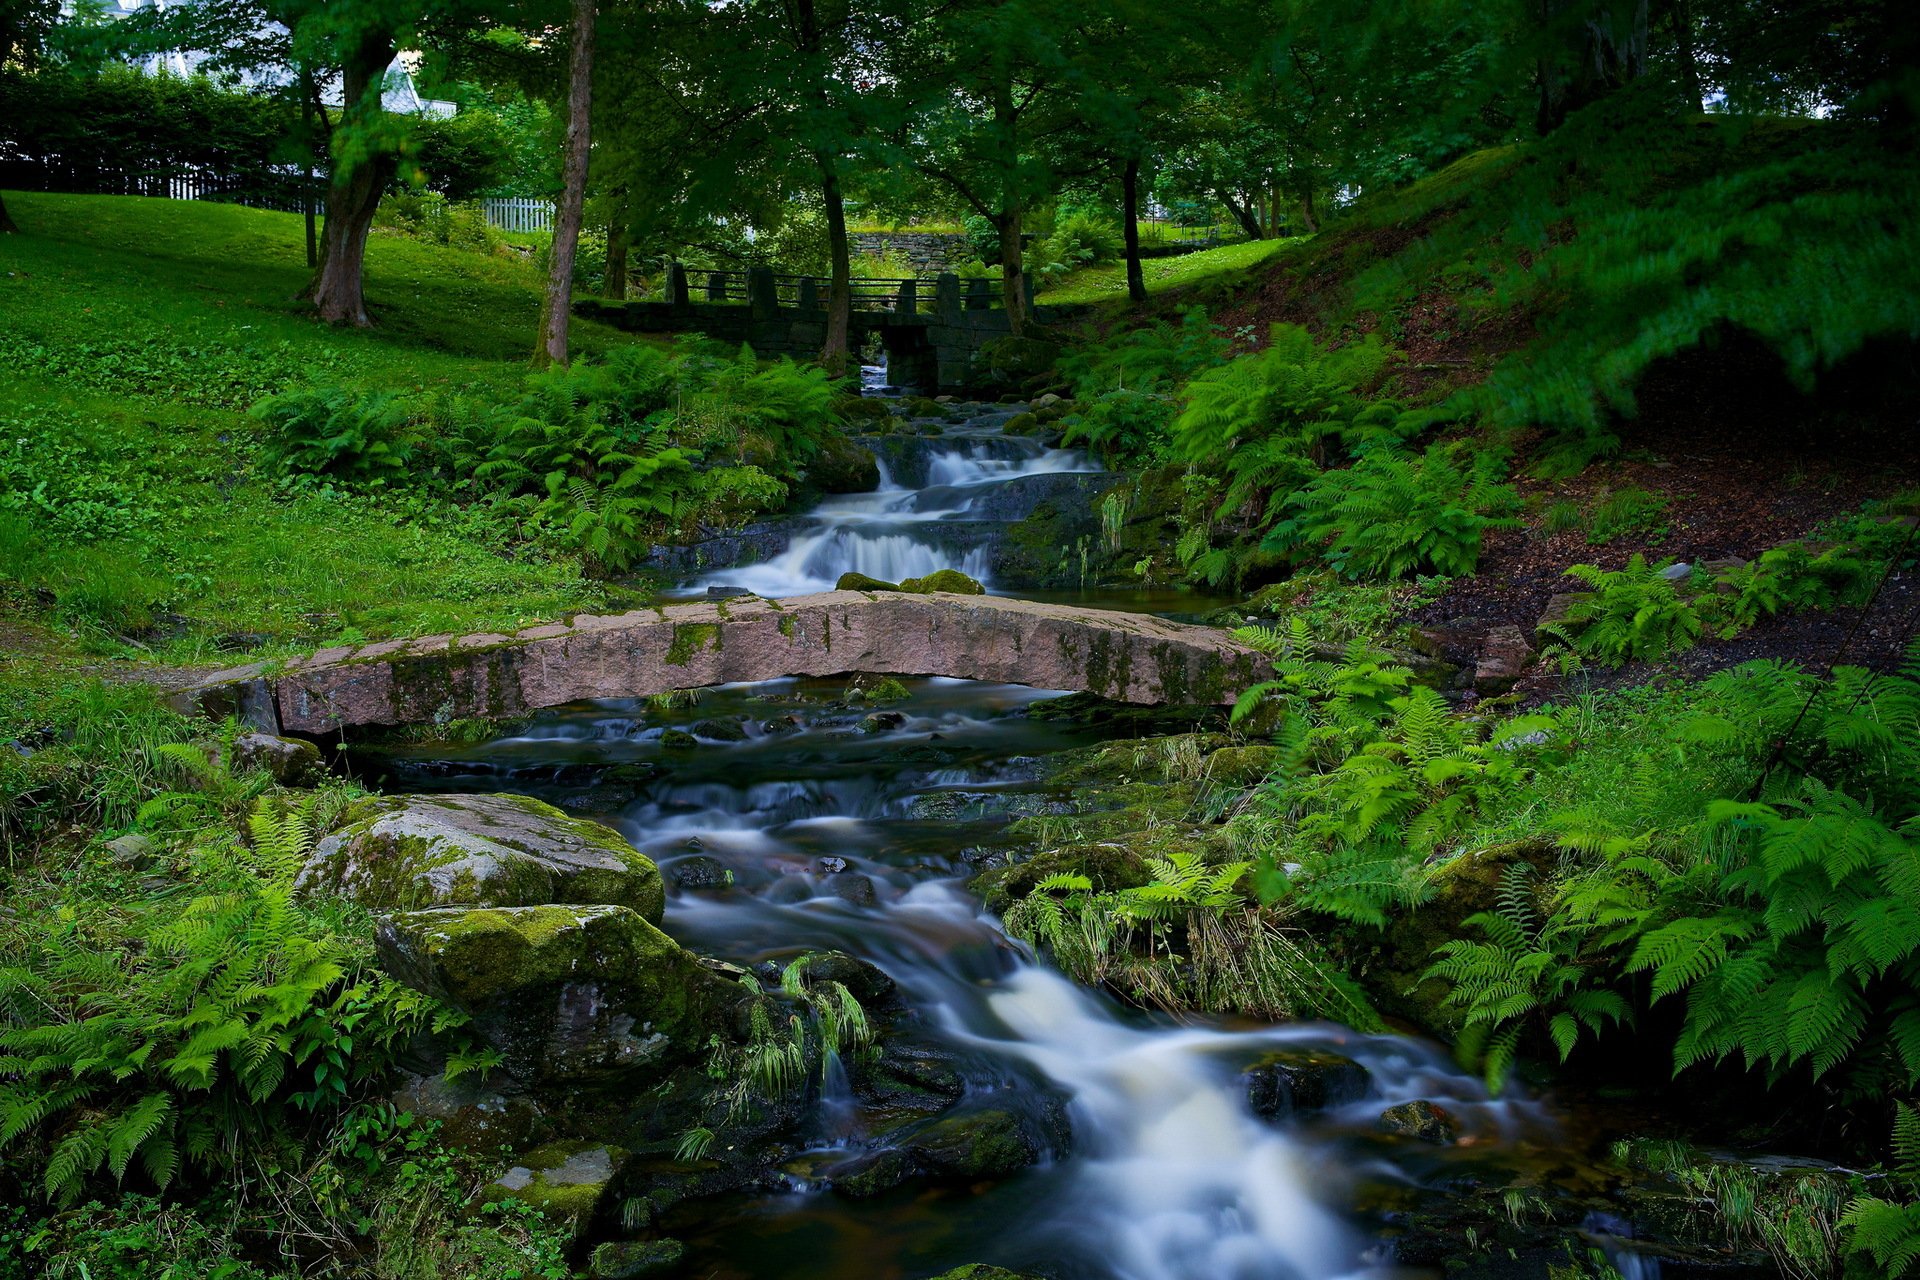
(406, 853)
(690, 638)
(948, 580)
(861, 582)
(567, 1181)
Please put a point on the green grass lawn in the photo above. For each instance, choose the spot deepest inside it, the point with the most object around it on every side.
(137, 515)
(1107, 282)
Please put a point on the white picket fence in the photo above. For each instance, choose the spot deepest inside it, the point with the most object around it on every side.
(519, 214)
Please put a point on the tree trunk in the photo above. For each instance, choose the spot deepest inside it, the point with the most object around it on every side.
(338, 290)
(1682, 18)
(1013, 279)
(1592, 47)
(1130, 228)
(1242, 215)
(7, 226)
(618, 241)
(1311, 223)
(833, 351)
(558, 308)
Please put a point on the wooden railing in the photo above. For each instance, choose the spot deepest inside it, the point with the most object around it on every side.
(695, 285)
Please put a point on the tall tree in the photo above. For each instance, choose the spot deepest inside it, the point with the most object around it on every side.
(993, 80)
(24, 25)
(557, 307)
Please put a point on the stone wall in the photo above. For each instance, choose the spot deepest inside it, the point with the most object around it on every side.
(929, 252)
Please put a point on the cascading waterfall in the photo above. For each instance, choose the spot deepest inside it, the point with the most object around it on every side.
(1168, 1173)
(811, 829)
(899, 532)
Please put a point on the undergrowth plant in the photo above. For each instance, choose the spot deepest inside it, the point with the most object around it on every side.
(1627, 614)
(1389, 516)
(357, 436)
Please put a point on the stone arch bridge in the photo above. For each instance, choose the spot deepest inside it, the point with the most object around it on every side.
(1127, 657)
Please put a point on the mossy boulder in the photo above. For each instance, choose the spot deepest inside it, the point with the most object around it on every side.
(842, 466)
(981, 1271)
(863, 411)
(1420, 1120)
(861, 582)
(567, 1181)
(633, 1259)
(1023, 424)
(291, 762)
(568, 994)
(406, 853)
(951, 581)
(1243, 766)
(990, 1143)
(473, 1116)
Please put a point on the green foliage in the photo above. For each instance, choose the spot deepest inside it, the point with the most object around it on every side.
(1528, 969)
(1627, 614)
(431, 217)
(179, 1036)
(1625, 512)
(1388, 516)
(1376, 768)
(353, 436)
(1079, 238)
(1153, 357)
(1187, 939)
(1885, 1228)
(1127, 429)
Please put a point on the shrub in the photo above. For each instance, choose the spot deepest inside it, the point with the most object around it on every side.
(349, 435)
(1126, 428)
(1631, 613)
(1389, 516)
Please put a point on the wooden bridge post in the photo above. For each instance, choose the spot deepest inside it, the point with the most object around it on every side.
(979, 297)
(763, 293)
(677, 286)
(809, 294)
(716, 286)
(907, 302)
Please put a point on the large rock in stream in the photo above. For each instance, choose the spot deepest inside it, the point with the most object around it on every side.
(404, 853)
(569, 995)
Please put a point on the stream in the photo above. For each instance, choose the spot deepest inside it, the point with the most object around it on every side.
(796, 823)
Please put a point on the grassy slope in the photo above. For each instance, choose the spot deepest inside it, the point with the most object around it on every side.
(1107, 282)
(134, 334)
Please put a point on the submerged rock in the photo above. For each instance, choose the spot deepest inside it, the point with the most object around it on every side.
(701, 872)
(564, 1180)
(1421, 1120)
(406, 853)
(1295, 1082)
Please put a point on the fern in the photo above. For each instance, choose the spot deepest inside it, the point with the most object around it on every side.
(1390, 517)
(1630, 613)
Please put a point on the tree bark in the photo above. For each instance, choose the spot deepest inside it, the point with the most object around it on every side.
(338, 289)
(7, 225)
(558, 307)
(1130, 228)
(1013, 281)
(1242, 215)
(1592, 48)
(618, 241)
(833, 351)
(1311, 223)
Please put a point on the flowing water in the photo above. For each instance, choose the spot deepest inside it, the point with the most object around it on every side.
(837, 838)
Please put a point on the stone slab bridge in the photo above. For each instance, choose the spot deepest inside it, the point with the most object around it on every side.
(434, 679)
(931, 342)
